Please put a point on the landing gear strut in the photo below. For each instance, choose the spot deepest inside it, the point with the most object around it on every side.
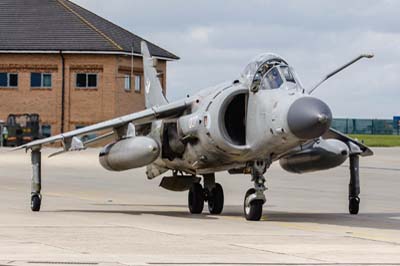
(36, 197)
(212, 193)
(354, 185)
(255, 198)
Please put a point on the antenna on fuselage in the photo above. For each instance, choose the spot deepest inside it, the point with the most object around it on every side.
(338, 70)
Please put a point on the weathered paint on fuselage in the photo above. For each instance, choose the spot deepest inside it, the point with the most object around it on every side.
(267, 132)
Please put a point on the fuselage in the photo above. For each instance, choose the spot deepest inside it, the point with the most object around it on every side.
(241, 121)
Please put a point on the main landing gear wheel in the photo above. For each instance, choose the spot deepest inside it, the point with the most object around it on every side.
(196, 199)
(354, 205)
(36, 202)
(253, 209)
(216, 199)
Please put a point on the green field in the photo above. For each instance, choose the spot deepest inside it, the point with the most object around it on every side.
(379, 140)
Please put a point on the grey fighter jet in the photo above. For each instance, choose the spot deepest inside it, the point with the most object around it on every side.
(241, 126)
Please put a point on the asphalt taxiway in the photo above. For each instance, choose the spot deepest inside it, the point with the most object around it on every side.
(91, 216)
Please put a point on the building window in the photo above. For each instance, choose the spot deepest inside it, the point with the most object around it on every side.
(41, 80)
(138, 83)
(8, 80)
(85, 80)
(127, 80)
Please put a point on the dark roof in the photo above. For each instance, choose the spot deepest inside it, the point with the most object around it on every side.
(53, 25)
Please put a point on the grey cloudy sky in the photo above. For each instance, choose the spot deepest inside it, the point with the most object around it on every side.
(215, 40)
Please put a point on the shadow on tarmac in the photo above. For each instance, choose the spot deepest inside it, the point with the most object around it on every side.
(389, 221)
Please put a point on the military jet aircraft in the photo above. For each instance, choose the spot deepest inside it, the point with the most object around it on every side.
(241, 126)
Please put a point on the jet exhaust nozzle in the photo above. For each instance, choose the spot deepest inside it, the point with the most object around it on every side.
(309, 118)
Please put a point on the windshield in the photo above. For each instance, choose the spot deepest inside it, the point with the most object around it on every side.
(272, 80)
(288, 74)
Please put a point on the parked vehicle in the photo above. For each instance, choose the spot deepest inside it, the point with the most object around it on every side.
(22, 128)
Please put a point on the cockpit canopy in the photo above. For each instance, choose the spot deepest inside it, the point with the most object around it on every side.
(269, 71)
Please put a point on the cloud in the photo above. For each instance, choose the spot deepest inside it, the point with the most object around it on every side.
(200, 34)
(215, 40)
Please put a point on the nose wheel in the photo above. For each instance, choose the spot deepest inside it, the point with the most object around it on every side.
(252, 209)
(255, 198)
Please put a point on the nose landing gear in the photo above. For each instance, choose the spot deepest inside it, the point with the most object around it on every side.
(255, 198)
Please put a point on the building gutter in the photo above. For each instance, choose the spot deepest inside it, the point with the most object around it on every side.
(62, 91)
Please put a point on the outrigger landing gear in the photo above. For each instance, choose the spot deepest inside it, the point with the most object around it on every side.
(354, 185)
(255, 198)
(36, 197)
(212, 193)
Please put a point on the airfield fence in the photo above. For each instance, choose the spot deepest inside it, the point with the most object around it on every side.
(367, 126)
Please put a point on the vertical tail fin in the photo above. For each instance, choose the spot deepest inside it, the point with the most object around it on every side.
(153, 89)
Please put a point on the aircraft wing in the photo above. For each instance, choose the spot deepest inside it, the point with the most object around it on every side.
(334, 134)
(71, 141)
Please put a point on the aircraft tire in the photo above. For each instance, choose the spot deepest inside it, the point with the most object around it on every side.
(354, 205)
(196, 199)
(253, 211)
(35, 203)
(216, 199)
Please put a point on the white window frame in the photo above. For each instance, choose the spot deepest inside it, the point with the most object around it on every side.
(51, 80)
(127, 82)
(138, 83)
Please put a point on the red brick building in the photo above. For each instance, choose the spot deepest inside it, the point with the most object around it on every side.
(69, 65)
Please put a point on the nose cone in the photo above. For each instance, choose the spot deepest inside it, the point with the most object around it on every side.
(309, 118)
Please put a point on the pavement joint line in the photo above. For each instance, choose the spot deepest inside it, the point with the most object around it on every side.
(64, 262)
(68, 262)
(374, 240)
(69, 195)
(276, 263)
(63, 226)
(341, 233)
(149, 230)
(61, 248)
(278, 253)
